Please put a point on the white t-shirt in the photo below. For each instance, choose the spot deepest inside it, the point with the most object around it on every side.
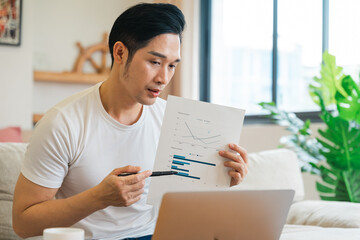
(77, 144)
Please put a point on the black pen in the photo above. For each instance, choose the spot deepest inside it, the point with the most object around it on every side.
(154, 174)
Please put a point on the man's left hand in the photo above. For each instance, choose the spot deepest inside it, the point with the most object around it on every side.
(238, 163)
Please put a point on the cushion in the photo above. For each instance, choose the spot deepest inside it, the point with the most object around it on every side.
(10, 134)
(11, 155)
(274, 169)
(325, 214)
(301, 232)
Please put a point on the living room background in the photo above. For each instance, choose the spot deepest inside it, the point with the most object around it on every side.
(49, 34)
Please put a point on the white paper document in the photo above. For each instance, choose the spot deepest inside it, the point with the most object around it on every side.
(192, 133)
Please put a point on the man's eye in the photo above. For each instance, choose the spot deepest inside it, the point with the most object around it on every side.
(155, 62)
(172, 66)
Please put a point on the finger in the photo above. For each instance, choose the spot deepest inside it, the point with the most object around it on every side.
(242, 151)
(132, 195)
(236, 177)
(126, 169)
(138, 192)
(230, 155)
(136, 178)
(131, 201)
(238, 167)
(135, 187)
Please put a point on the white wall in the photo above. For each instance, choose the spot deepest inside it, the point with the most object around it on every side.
(58, 25)
(50, 30)
(16, 77)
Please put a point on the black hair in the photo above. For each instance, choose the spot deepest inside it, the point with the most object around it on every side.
(138, 25)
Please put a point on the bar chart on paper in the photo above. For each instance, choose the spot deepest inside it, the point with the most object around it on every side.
(192, 134)
(194, 147)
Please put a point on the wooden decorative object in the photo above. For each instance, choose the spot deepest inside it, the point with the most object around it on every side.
(101, 71)
(86, 55)
(77, 75)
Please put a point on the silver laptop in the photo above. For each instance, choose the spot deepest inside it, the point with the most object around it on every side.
(247, 215)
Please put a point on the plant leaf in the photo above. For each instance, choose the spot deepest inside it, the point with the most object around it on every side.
(349, 105)
(329, 82)
(352, 182)
(307, 148)
(339, 149)
(335, 188)
(324, 189)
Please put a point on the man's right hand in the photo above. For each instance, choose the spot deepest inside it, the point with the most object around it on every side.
(122, 191)
(35, 209)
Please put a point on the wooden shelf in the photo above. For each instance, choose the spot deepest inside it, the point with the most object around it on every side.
(69, 77)
(76, 75)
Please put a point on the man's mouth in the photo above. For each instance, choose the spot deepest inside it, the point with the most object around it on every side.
(154, 92)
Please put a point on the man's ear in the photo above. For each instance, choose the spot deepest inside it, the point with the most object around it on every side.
(120, 52)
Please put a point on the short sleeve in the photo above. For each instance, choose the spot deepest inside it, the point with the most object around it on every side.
(49, 151)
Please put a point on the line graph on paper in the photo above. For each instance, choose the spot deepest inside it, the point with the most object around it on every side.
(196, 132)
(192, 134)
(194, 146)
(205, 140)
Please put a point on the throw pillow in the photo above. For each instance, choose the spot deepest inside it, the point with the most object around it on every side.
(10, 134)
(325, 214)
(273, 169)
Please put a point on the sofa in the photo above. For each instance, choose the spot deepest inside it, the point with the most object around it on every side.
(274, 169)
(307, 219)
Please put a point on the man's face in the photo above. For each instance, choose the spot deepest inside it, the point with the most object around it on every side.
(151, 69)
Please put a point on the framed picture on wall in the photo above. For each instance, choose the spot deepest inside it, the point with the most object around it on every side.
(10, 22)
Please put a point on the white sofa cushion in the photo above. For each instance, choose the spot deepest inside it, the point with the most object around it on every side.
(325, 214)
(301, 232)
(274, 169)
(11, 155)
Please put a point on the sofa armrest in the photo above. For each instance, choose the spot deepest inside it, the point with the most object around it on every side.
(11, 155)
(325, 214)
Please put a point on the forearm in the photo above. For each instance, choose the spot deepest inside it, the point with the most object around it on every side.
(56, 213)
(34, 210)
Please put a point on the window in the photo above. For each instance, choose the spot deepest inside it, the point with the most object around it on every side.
(299, 52)
(240, 72)
(344, 35)
(269, 50)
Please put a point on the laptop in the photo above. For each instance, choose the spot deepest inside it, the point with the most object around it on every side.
(248, 215)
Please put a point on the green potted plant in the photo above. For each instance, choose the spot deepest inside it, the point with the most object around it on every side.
(335, 155)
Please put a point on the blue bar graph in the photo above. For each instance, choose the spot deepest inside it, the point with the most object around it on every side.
(180, 163)
(191, 160)
(186, 175)
(179, 169)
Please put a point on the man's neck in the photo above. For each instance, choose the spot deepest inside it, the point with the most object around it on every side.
(125, 111)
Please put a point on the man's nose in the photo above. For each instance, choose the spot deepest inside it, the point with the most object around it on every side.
(163, 76)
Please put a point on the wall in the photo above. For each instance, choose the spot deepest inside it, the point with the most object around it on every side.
(59, 25)
(50, 30)
(16, 82)
(70, 21)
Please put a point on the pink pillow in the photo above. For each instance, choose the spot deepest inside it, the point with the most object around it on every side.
(10, 134)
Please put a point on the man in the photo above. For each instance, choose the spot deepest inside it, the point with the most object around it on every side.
(83, 143)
